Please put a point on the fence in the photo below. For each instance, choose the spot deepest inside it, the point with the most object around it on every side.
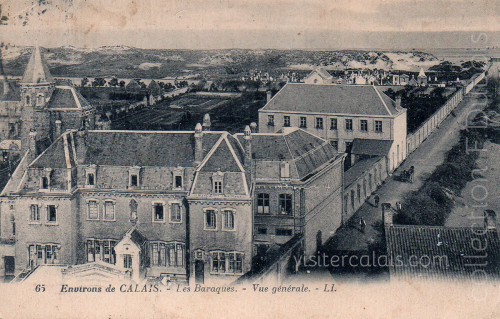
(416, 138)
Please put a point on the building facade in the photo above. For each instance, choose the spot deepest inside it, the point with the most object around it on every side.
(297, 188)
(340, 114)
(181, 205)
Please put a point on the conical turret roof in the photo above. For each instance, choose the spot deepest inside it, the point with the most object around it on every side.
(421, 73)
(37, 70)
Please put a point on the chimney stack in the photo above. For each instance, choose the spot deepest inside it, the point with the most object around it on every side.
(198, 144)
(206, 122)
(5, 85)
(247, 144)
(253, 127)
(269, 96)
(388, 215)
(398, 101)
(58, 128)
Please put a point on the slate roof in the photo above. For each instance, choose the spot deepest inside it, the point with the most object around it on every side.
(128, 148)
(358, 169)
(220, 160)
(322, 73)
(14, 91)
(67, 97)
(136, 237)
(332, 99)
(53, 156)
(305, 151)
(457, 244)
(371, 147)
(37, 70)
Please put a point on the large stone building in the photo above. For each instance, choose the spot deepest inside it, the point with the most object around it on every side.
(342, 114)
(166, 204)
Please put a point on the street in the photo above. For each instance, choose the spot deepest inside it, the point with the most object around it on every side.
(425, 159)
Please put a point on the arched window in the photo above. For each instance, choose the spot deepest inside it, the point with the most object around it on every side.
(39, 99)
(28, 100)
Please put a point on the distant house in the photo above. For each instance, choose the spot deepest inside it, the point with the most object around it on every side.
(133, 87)
(442, 253)
(422, 78)
(412, 81)
(404, 79)
(154, 88)
(318, 76)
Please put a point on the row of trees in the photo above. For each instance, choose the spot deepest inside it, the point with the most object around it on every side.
(420, 106)
(115, 82)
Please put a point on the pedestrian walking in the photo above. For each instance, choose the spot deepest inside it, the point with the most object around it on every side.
(362, 224)
(376, 199)
(398, 206)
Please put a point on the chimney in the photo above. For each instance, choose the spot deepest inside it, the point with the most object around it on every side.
(32, 144)
(490, 219)
(398, 101)
(269, 96)
(206, 122)
(253, 127)
(388, 215)
(5, 85)
(247, 144)
(58, 128)
(198, 144)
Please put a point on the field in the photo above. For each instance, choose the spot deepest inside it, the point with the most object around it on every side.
(228, 112)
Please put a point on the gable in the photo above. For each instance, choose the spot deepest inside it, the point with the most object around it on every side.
(222, 159)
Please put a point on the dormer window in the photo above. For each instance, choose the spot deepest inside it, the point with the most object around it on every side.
(177, 181)
(218, 183)
(45, 182)
(90, 176)
(45, 179)
(133, 180)
(134, 176)
(284, 170)
(90, 179)
(218, 187)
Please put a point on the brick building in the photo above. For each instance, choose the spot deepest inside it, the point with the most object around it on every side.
(164, 204)
(297, 187)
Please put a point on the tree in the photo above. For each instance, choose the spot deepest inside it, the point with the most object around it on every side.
(113, 82)
(122, 84)
(99, 82)
(85, 81)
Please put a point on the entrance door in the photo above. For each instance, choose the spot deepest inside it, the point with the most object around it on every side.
(9, 265)
(199, 271)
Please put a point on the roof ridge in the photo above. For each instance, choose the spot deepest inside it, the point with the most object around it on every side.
(210, 153)
(233, 153)
(291, 154)
(433, 227)
(381, 99)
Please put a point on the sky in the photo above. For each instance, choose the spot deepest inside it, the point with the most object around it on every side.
(284, 24)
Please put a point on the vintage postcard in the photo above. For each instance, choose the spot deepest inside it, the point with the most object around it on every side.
(249, 159)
